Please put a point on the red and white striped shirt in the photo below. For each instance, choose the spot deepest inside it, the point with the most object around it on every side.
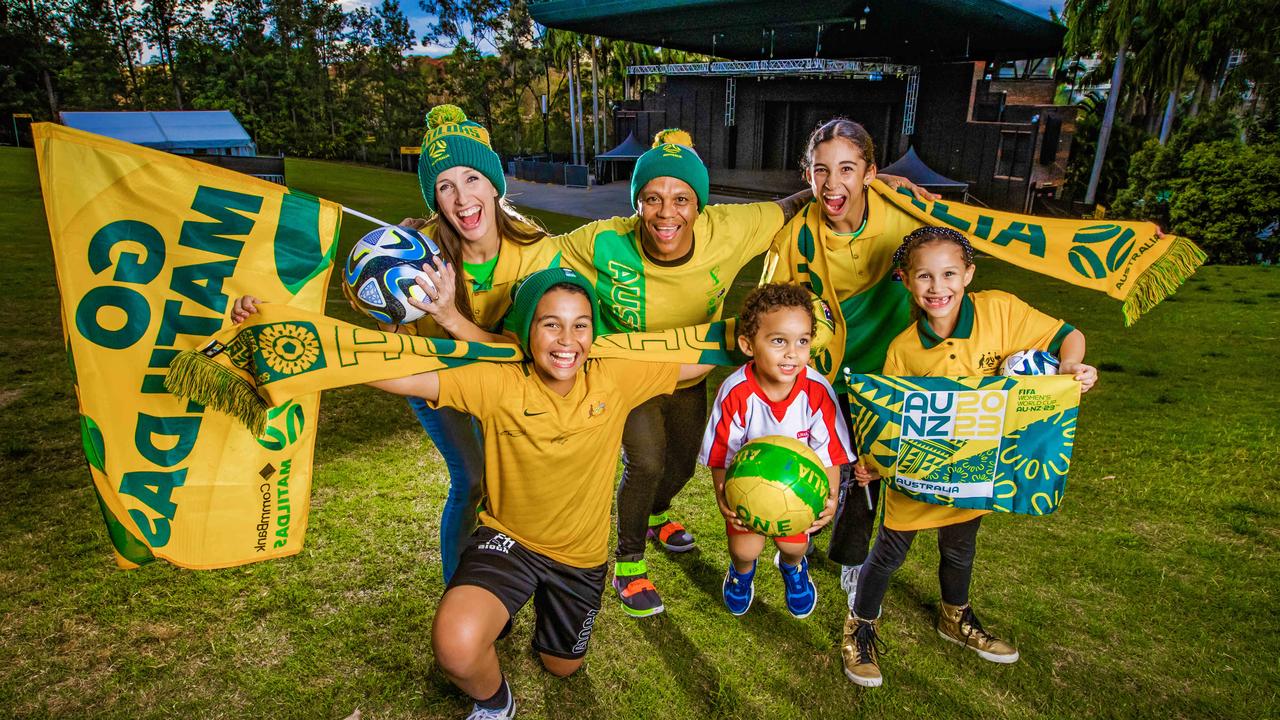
(742, 412)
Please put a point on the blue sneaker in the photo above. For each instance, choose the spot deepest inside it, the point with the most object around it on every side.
(802, 594)
(739, 590)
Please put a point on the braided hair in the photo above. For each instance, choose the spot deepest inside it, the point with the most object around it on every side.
(928, 234)
(840, 127)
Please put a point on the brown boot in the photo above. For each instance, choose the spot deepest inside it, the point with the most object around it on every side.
(861, 651)
(958, 624)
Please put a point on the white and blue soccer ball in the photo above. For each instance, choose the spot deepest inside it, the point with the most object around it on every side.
(381, 270)
(1030, 362)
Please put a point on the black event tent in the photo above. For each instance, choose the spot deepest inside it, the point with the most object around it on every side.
(627, 151)
(911, 167)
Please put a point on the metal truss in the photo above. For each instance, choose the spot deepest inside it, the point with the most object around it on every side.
(909, 105)
(858, 69)
(730, 101)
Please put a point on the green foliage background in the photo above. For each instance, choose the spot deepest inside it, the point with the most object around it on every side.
(1207, 184)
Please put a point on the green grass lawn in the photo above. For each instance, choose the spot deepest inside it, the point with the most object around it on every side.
(1151, 593)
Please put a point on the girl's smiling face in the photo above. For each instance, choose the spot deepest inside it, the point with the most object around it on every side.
(936, 276)
(838, 174)
(560, 337)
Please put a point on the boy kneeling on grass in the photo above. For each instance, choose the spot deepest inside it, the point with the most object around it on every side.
(552, 431)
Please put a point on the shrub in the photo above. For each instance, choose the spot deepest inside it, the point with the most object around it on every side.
(1206, 184)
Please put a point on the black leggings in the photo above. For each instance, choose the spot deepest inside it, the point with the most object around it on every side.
(660, 445)
(957, 545)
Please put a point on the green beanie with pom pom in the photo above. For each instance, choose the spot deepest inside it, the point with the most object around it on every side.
(672, 156)
(452, 140)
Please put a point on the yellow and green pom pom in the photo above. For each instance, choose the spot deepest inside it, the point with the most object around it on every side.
(445, 115)
(673, 135)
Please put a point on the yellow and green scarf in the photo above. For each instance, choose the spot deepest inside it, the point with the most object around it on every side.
(1126, 260)
(282, 352)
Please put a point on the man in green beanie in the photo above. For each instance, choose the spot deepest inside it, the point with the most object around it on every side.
(668, 266)
(552, 427)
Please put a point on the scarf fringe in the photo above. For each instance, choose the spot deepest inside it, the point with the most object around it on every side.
(1162, 279)
(194, 376)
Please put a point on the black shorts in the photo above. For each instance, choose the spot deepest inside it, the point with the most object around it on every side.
(566, 599)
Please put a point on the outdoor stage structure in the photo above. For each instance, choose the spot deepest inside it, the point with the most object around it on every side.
(967, 84)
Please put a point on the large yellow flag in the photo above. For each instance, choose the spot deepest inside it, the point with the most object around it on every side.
(150, 250)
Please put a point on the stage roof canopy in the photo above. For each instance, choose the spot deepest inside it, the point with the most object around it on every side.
(912, 31)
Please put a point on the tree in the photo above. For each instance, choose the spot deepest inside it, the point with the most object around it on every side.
(1207, 184)
(162, 20)
(92, 76)
(38, 50)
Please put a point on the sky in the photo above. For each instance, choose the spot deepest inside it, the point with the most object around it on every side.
(419, 20)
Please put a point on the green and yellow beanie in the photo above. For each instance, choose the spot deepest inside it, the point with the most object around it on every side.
(527, 294)
(452, 140)
(672, 156)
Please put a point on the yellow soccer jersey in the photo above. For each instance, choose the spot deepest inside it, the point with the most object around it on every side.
(490, 301)
(857, 272)
(549, 461)
(992, 325)
(854, 265)
(638, 293)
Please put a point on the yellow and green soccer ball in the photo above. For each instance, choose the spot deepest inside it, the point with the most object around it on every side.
(776, 485)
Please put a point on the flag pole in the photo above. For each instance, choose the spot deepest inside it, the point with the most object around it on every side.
(857, 440)
(362, 216)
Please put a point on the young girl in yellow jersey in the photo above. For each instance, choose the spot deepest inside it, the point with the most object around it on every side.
(953, 334)
(552, 428)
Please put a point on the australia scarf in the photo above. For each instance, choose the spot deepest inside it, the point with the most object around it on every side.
(1128, 261)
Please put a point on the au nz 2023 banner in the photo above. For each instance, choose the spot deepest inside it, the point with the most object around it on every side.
(150, 250)
(980, 443)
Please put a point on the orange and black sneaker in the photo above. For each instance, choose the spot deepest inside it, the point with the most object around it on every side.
(639, 597)
(670, 534)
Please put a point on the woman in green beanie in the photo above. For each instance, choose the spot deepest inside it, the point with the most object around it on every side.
(487, 247)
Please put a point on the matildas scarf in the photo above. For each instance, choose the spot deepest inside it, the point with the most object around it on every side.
(976, 443)
(1125, 260)
(281, 353)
